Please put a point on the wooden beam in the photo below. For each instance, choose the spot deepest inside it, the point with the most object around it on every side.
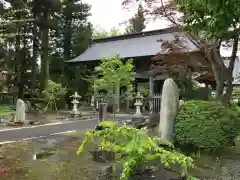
(161, 77)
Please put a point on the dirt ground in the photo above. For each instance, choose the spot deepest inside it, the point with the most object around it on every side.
(17, 162)
(64, 164)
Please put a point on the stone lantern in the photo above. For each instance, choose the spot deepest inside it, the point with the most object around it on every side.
(75, 112)
(138, 117)
(138, 104)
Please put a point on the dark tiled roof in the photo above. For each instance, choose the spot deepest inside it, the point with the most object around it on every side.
(133, 45)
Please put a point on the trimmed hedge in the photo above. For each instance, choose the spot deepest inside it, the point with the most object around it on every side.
(206, 125)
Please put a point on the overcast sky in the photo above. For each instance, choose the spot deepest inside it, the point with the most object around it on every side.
(109, 13)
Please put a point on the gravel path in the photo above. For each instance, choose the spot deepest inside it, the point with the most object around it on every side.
(230, 171)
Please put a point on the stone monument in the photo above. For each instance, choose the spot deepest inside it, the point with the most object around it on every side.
(20, 115)
(169, 109)
(75, 112)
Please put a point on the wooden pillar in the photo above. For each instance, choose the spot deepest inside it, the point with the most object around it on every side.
(150, 94)
(95, 95)
(102, 111)
(117, 97)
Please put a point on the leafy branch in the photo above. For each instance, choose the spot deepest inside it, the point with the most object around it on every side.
(135, 148)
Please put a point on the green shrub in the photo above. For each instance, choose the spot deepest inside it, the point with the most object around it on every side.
(54, 92)
(205, 125)
(134, 149)
(236, 92)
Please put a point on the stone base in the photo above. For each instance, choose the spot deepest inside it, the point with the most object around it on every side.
(75, 115)
(102, 155)
(18, 123)
(137, 120)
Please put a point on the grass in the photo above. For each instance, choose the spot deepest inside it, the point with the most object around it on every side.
(5, 110)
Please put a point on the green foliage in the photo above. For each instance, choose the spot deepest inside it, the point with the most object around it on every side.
(236, 92)
(53, 92)
(137, 23)
(213, 18)
(144, 92)
(114, 71)
(56, 30)
(134, 148)
(99, 33)
(5, 110)
(206, 125)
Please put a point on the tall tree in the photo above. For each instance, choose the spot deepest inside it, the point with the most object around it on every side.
(16, 19)
(209, 24)
(137, 22)
(48, 21)
(45, 31)
(35, 43)
(75, 16)
(70, 39)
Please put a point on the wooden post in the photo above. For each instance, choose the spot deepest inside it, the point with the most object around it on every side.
(150, 94)
(127, 104)
(95, 94)
(117, 92)
(102, 111)
(128, 98)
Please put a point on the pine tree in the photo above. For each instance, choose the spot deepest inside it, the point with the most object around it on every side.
(51, 31)
(71, 39)
(137, 23)
(15, 19)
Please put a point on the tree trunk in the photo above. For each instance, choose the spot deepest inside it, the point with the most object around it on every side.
(22, 66)
(229, 88)
(34, 56)
(44, 53)
(67, 39)
(16, 61)
(117, 93)
(214, 57)
(218, 74)
(218, 68)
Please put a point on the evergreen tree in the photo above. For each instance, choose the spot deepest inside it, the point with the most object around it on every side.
(45, 31)
(71, 39)
(15, 19)
(137, 23)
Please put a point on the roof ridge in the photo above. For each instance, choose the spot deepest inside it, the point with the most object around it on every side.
(136, 35)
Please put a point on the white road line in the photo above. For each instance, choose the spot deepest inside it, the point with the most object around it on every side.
(36, 137)
(50, 124)
(6, 142)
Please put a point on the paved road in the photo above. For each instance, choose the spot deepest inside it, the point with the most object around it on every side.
(24, 133)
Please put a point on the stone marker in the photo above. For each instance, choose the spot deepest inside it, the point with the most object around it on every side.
(169, 109)
(20, 115)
